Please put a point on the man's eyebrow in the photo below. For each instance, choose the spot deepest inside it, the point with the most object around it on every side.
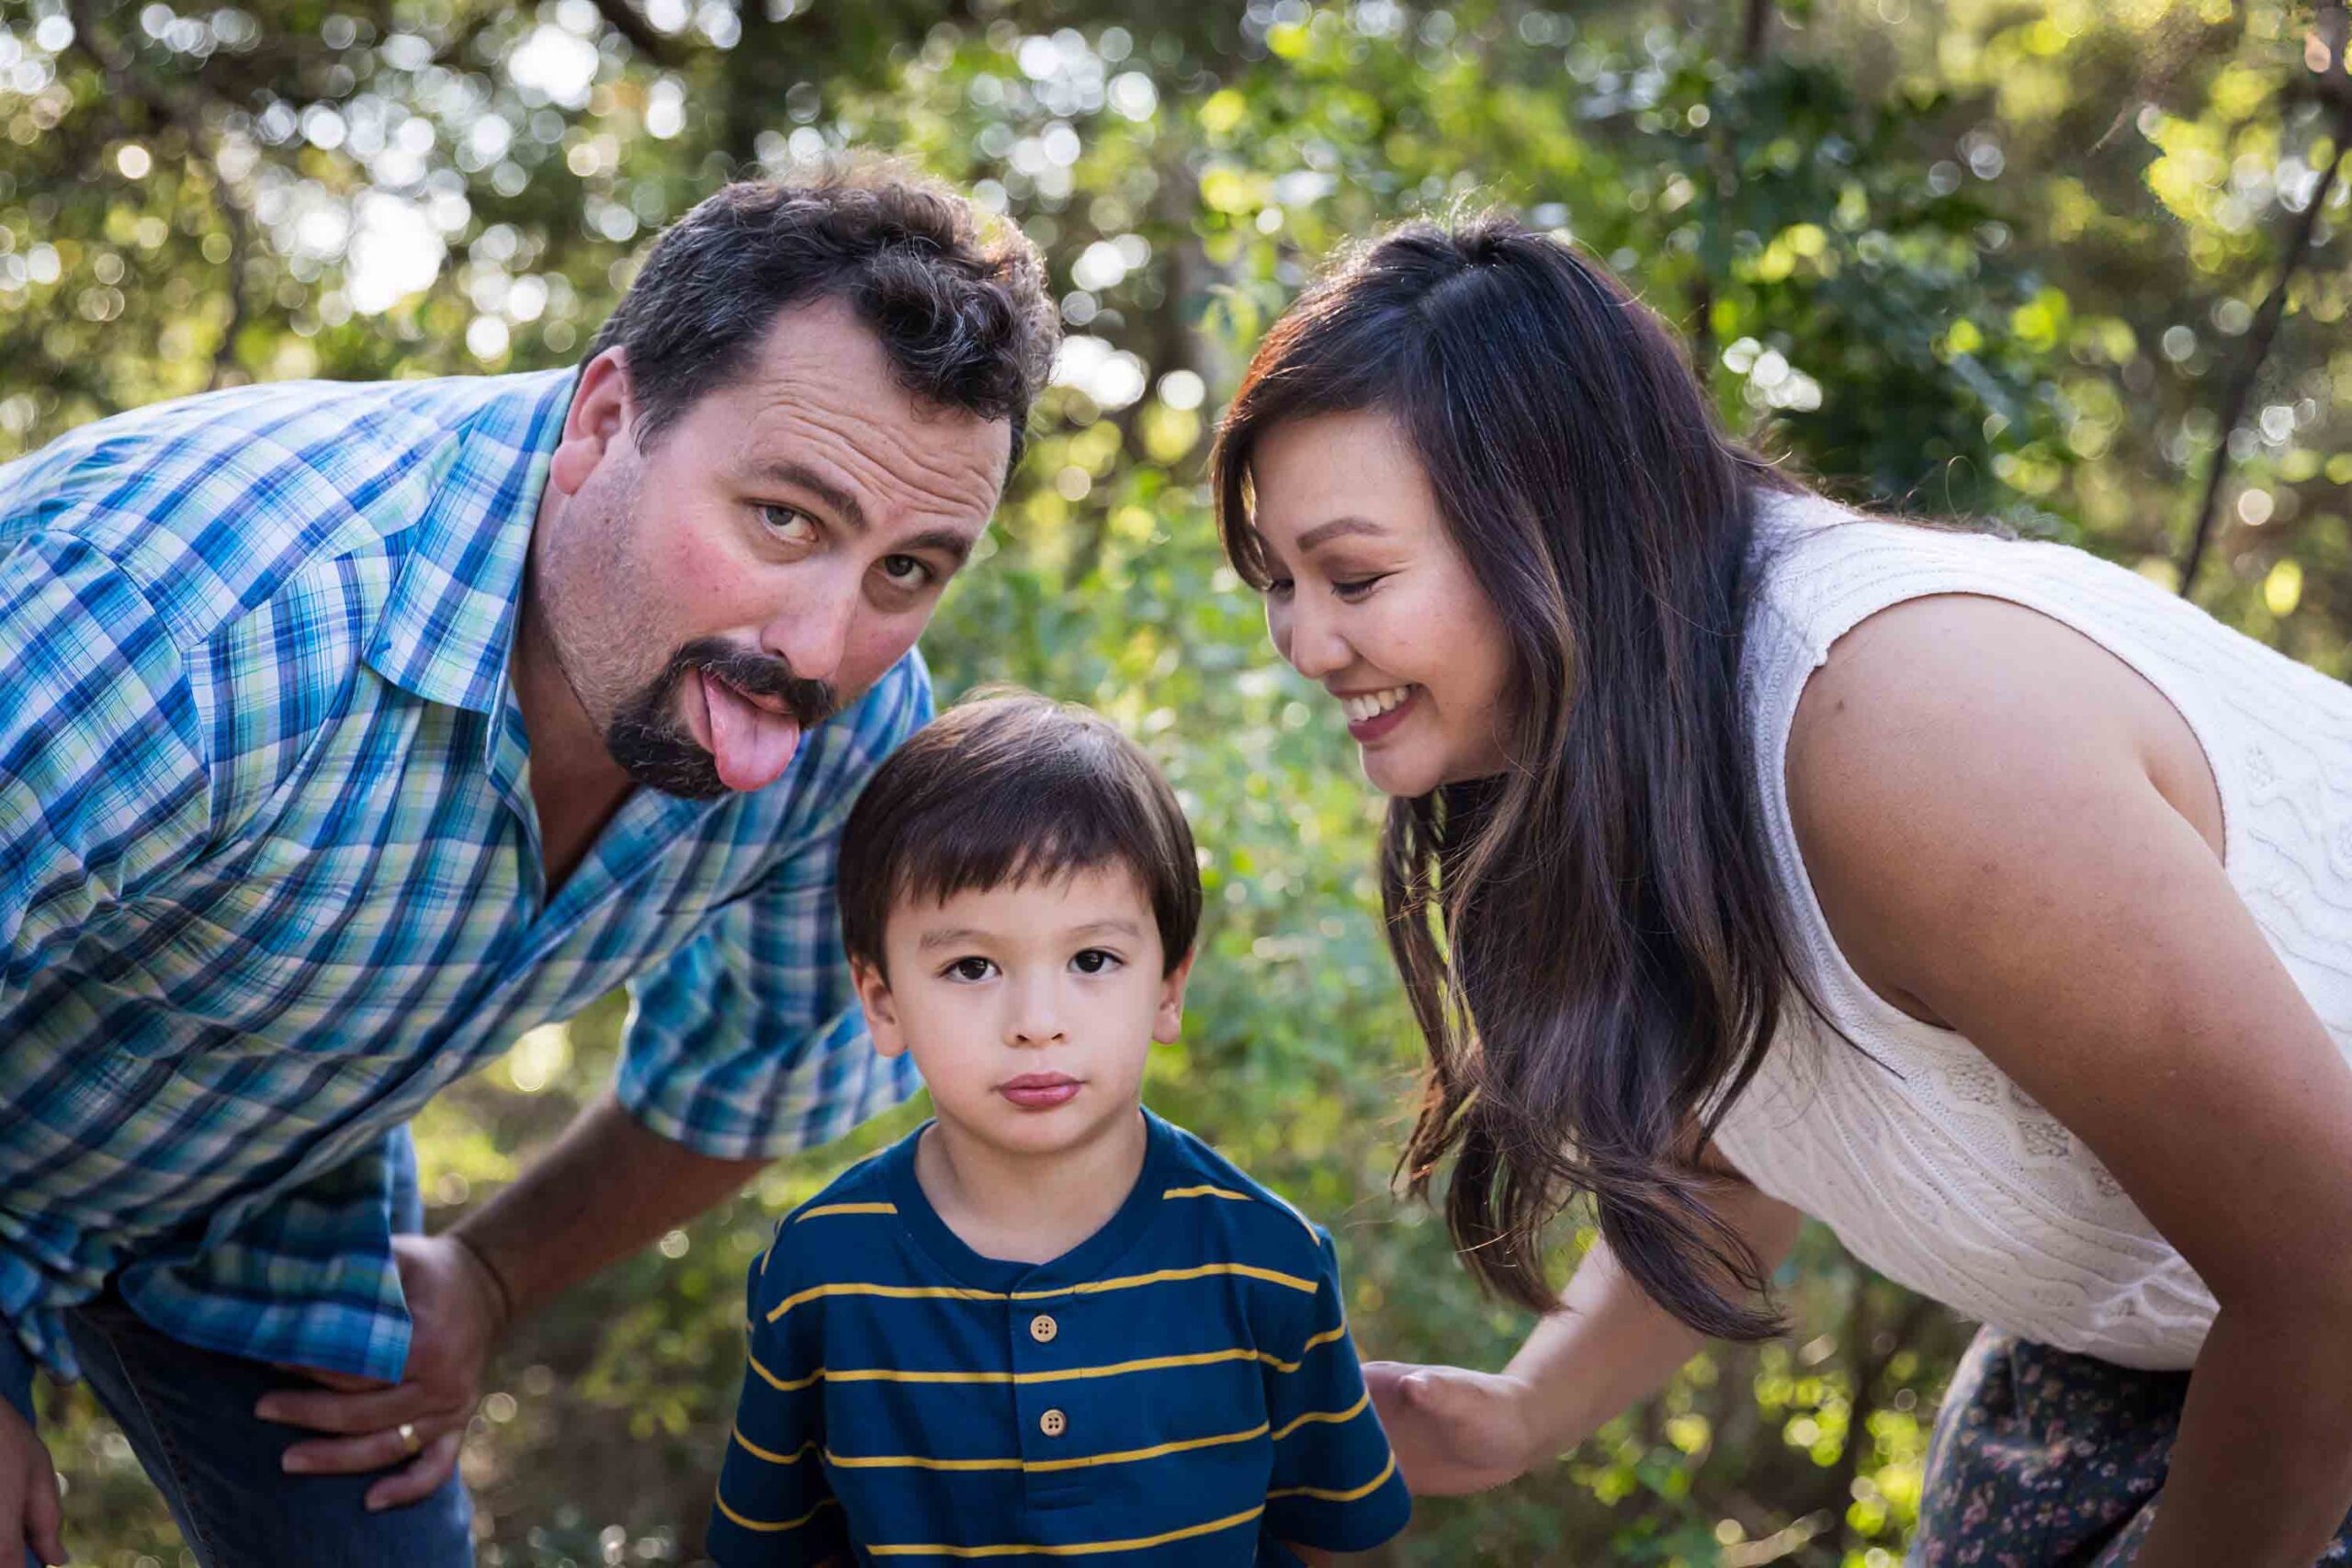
(1338, 527)
(784, 470)
(956, 546)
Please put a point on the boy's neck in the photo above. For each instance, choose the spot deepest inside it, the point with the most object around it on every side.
(1029, 1208)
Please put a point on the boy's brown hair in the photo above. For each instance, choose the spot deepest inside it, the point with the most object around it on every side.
(1012, 787)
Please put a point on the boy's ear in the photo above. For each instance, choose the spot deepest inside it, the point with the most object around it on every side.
(881, 1008)
(1167, 1022)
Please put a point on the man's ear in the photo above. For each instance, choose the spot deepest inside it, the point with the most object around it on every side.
(881, 1007)
(1168, 1020)
(602, 416)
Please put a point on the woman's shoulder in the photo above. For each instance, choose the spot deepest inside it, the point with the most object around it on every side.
(1930, 627)
(1820, 567)
(1940, 725)
(1928, 676)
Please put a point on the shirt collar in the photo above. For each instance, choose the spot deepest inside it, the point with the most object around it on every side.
(1091, 1259)
(450, 619)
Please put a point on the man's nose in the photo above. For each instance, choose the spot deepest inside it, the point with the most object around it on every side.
(810, 629)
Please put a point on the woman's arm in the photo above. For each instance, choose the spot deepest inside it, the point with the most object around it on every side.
(1993, 815)
(1605, 1348)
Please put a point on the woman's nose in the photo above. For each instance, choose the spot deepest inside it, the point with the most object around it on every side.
(1310, 638)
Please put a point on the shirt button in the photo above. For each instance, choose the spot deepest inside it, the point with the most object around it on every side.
(1042, 1329)
(1053, 1423)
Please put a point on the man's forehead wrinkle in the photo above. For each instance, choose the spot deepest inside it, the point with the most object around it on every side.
(910, 473)
(810, 387)
(918, 438)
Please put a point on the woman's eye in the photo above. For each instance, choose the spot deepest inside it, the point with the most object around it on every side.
(1095, 961)
(787, 524)
(1355, 587)
(1276, 588)
(905, 572)
(970, 969)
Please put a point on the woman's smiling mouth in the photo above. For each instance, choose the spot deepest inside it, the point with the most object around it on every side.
(1373, 714)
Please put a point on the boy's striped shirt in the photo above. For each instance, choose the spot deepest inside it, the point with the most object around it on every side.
(1177, 1389)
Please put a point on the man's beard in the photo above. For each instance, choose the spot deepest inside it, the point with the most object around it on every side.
(657, 751)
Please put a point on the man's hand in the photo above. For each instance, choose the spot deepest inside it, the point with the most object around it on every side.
(1453, 1431)
(29, 1510)
(457, 1310)
(606, 1189)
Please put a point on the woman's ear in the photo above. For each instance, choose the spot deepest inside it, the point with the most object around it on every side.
(881, 1007)
(1168, 1020)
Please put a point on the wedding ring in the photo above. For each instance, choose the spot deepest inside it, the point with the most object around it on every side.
(409, 1439)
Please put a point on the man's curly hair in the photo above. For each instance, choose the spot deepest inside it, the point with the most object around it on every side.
(958, 303)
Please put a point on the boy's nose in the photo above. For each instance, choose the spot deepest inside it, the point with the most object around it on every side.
(1036, 1019)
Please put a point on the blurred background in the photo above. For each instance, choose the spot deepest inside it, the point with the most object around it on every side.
(2078, 266)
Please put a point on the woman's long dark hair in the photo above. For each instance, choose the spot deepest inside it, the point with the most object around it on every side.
(1590, 940)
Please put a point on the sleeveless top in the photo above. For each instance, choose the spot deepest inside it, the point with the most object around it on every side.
(1930, 1164)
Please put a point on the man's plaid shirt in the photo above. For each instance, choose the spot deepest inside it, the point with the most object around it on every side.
(270, 874)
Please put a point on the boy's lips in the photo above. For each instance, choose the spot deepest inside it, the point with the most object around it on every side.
(1039, 1091)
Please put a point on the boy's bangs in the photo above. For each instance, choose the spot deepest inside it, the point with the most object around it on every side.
(1047, 833)
(1012, 789)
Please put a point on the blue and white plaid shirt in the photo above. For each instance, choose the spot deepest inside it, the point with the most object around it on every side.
(270, 872)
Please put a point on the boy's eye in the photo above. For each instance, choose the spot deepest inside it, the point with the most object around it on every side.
(1094, 961)
(970, 969)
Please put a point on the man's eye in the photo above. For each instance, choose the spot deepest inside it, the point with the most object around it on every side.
(1095, 961)
(788, 522)
(905, 572)
(970, 969)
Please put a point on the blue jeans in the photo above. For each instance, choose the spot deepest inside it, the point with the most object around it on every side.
(189, 1417)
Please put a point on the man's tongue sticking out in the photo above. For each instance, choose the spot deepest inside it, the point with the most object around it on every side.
(751, 746)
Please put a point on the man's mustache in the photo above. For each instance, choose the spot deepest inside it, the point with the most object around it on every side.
(811, 703)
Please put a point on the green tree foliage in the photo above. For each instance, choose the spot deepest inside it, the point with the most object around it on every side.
(1973, 255)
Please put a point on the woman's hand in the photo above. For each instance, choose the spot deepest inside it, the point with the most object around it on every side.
(1454, 1430)
(29, 1510)
(1606, 1345)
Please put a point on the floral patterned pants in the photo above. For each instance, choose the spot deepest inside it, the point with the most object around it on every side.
(2042, 1459)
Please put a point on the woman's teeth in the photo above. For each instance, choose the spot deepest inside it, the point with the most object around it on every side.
(1372, 705)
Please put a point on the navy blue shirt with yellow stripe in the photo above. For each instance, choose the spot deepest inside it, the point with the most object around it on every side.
(1179, 1388)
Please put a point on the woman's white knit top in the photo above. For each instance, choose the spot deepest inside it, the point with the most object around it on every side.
(1934, 1168)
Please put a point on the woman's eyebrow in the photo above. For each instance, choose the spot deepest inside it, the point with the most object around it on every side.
(1336, 528)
